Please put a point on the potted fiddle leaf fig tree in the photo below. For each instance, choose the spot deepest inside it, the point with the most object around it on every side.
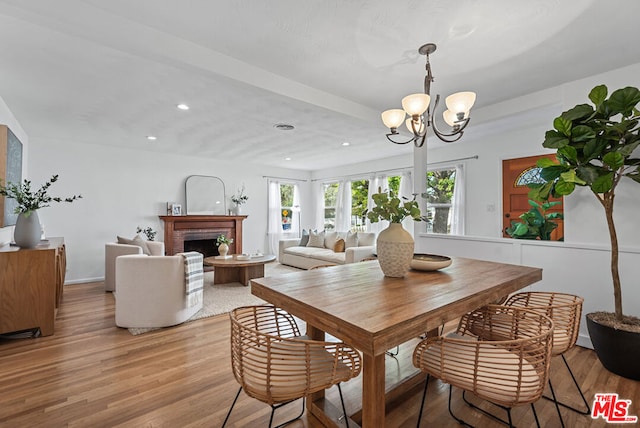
(595, 144)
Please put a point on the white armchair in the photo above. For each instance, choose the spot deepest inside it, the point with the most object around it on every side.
(151, 291)
(113, 250)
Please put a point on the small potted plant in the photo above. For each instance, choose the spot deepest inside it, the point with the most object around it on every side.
(223, 245)
(239, 199)
(394, 245)
(27, 231)
(595, 144)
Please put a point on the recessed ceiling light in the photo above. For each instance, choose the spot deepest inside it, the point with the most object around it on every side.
(287, 159)
(346, 143)
(284, 127)
(183, 106)
(151, 138)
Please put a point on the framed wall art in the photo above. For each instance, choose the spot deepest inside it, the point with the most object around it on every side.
(10, 172)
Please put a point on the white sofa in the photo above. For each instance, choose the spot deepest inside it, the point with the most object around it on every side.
(291, 253)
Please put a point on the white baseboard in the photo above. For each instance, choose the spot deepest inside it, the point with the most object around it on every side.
(584, 341)
(81, 281)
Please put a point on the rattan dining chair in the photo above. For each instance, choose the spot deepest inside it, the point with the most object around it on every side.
(565, 310)
(273, 363)
(507, 364)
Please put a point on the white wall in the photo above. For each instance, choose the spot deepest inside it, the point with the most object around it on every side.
(123, 189)
(516, 128)
(7, 118)
(578, 269)
(363, 169)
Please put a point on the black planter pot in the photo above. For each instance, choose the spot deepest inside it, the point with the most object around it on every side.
(618, 350)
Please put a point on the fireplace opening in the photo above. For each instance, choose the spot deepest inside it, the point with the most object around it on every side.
(207, 247)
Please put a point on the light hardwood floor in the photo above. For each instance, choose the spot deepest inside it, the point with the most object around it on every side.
(92, 374)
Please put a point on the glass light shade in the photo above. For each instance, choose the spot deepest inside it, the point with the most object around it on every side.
(460, 101)
(393, 118)
(416, 104)
(449, 117)
(419, 126)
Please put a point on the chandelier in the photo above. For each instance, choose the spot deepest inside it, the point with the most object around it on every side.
(417, 107)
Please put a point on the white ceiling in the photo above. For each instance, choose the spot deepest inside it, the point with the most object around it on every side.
(111, 71)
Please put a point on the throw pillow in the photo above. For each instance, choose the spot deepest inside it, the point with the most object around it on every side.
(137, 240)
(330, 239)
(339, 246)
(304, 239)
(351, 240)
(316, 239)
(366, 239)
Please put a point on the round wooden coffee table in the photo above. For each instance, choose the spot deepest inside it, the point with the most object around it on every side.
(234, 270)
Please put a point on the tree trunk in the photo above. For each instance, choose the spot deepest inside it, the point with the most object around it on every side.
(615, 275)
(441, 220)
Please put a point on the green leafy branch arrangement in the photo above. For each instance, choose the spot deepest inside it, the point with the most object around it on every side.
(389, 207)
(239, 198)
(148, 232)
(222, 239)
(29, 200)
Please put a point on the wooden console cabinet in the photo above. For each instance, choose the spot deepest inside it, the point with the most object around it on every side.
(31, 283)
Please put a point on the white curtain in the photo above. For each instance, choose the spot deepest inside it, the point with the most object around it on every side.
(343, 207)
(274, 225)
(406, 193)
(458, 202)
(375, 182)
(318, 191)
(295, 218)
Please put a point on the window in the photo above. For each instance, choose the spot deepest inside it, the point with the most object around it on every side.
(330, 191)
(439, 195)
(529, 176)
(359, 199)
(286, 204)
(394, 183)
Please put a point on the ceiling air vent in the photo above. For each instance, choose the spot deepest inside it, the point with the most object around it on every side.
(284, 127)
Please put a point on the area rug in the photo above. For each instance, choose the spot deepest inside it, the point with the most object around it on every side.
(223, 298)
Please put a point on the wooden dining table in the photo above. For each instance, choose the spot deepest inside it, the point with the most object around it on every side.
(357, 304)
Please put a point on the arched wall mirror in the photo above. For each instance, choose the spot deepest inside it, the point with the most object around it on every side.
(205, 195)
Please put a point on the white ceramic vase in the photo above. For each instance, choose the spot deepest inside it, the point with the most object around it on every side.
(27, 232)
(395, 250)
(223, 249)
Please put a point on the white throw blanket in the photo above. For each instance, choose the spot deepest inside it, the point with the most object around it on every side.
(193, 277)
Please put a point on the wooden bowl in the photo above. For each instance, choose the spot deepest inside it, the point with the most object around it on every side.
(429, 262)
